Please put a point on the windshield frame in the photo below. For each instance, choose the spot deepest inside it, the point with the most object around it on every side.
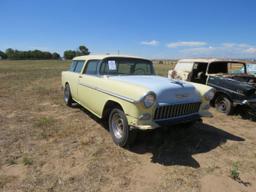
(136, 61)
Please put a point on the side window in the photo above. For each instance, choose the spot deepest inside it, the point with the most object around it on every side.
(91, 67)
(79, 66)
(236, 68)
(73, 66)
(104, 68)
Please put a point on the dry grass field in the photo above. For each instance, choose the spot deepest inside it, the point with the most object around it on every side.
(46, 146)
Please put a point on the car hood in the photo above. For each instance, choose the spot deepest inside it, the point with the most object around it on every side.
(232, 84)
(167, 91)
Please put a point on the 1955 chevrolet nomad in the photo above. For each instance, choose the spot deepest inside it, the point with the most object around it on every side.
(125, 91)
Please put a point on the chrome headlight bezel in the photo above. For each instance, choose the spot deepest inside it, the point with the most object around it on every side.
(209, 95)
(149, 100)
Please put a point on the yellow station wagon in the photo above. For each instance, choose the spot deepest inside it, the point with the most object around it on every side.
(125, 91)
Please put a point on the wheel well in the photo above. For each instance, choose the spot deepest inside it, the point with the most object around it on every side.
(108, 107)
(217, 94)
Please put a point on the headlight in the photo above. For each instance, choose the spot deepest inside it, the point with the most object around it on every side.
(149, 100)
(209, 95)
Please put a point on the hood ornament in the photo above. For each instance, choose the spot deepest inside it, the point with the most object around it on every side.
(178, 82)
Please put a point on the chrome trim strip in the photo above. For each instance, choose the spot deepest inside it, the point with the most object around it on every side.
(109, 93)
(213, 85)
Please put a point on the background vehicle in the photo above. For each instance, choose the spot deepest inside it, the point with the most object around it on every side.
(125, 91)
(232, 89)
(251, 69)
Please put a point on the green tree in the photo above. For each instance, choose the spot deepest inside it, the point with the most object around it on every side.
(69, 54)
(34, 54)
(55, 56)
(3, 55)
(10, 53)
(84, 50)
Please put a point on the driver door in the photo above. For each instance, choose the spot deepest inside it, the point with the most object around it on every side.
(87, 84)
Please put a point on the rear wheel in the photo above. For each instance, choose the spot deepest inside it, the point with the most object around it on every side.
(67, 96)
(119, 128)
(224, 105)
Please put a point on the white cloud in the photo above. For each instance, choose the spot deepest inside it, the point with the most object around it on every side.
(150, 43)
(186, 44)
(235, 45)
(199, 51)
(251, 50)
(227, 50)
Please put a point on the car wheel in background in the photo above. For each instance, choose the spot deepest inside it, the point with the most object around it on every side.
(119, 128)
(67, 96)
(224, 105)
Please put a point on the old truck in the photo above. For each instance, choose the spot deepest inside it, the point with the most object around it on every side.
(234, 86)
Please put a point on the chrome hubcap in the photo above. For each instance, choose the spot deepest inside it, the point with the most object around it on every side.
(117, 124)
(66, 94)
(222, 106)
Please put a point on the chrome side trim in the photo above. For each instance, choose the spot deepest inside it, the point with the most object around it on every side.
(109, 93)
(213, 85)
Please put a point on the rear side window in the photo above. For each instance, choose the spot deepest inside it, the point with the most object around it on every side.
(73, 66)
(91, 67)
(79, 66)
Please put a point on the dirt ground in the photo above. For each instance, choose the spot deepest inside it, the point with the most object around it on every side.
(47, 146)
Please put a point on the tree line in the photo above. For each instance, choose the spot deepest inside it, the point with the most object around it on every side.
(14, 54)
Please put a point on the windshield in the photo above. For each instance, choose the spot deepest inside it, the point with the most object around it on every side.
(251, 68)
(126, 66)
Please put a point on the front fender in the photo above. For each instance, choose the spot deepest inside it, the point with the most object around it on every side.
(205, 104)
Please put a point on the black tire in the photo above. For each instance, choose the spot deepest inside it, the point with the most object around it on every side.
(67, 95)
(119, 128)
(189, 125)
(224, 105)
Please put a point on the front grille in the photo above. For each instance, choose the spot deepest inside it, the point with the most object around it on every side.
(171, 111)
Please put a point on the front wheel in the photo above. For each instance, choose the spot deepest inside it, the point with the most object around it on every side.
(67, 96)
(224, 105)
(119, 128)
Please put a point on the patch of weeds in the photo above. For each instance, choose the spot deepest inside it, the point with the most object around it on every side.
(27, 160)
(44, 122)
(234, 173)
(11, 161)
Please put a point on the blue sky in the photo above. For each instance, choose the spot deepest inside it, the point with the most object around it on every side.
(154, 29)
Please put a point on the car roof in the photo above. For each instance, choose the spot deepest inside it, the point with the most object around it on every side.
(200, 60)
(100, 57)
